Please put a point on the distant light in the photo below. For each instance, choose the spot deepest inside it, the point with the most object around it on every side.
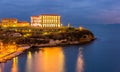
(81, 28)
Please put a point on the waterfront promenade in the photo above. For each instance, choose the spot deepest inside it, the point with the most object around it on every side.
(5, 55)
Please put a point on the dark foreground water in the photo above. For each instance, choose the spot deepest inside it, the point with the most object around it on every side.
(102, 55)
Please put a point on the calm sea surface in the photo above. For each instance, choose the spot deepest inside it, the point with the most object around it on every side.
(102, 55)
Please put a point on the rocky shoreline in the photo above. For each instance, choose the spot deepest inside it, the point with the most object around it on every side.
(61, 44)
(62, 37)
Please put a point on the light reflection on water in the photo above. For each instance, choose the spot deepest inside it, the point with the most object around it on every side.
(15, 65)
(29, 62)
(80, 62)
(1, 67)
(51, 59)
(46, 60)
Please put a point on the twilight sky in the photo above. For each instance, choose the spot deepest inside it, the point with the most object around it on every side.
(73, 11)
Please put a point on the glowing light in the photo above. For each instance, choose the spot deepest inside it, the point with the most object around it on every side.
(81, 28)
(14, 25)
(50, 60)
(29, 62)
(29, 55)
(15, 65)
(45, 33)
(80, 62)
(29, 30)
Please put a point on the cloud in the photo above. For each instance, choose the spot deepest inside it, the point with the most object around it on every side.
(84, 11)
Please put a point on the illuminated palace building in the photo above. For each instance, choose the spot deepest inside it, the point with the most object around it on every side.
(13, 22)
(46, 21)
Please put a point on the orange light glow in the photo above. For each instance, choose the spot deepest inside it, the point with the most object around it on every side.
(81, 28)
(47, 60)
(29, 62)
(13, 22)
(15, 65)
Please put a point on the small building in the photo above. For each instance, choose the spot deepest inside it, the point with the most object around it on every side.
(13, 22)
(9, 22)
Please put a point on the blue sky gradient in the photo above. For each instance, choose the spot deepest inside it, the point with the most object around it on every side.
(73, 11)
